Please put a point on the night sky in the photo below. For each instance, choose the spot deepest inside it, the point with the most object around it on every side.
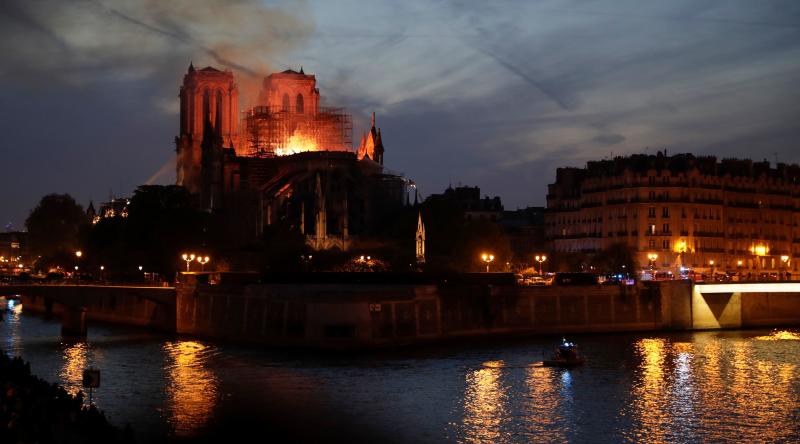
(494, 94)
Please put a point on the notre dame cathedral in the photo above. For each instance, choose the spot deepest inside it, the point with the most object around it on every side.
(285, 160)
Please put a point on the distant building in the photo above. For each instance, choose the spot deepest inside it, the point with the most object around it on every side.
(683, 211)
(13, 250)
(468, 199)
(525, 230)
(115, 207)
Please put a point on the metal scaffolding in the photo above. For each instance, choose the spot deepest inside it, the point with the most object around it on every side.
(268, 130)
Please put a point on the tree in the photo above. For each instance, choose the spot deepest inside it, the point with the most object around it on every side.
(162, 223)
(617, 258)
(54, 228)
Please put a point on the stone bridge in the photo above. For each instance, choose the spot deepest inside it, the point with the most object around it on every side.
(740, 305)
(132, 305)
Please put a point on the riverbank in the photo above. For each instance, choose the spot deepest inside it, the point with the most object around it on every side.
(35, 411)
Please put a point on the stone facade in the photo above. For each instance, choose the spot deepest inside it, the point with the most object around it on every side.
(688, 212)
(293, 164)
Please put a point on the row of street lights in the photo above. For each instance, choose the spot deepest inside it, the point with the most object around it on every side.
(191, 257)
(489, 258)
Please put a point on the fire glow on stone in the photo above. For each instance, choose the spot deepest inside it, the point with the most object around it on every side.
(298, 143)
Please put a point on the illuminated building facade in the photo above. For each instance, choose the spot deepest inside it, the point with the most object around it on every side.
(293, 162)
(680, 212)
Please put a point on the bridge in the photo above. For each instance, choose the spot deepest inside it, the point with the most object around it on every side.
(145, 306)
(752, 304)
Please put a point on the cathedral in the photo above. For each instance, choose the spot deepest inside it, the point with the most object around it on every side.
(287, 160)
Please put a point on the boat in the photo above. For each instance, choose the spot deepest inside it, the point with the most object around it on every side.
(566, 355)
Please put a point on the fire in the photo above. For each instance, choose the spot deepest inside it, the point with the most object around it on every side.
(298, 143)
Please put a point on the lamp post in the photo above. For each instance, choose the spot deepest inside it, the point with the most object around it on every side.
(739, 268)
(785, 262)
(488, 258)
(188, 258)
(651, 257)
(711, 264)
(540, 259)
(203, 261)
(78, 255)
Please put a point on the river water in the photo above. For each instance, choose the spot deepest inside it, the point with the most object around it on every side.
(734, 386)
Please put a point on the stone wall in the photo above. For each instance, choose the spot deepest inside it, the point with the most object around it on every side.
(352, 315)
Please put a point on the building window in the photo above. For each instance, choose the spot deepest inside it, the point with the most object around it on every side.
(286, 103)
(652, 228)
(652, 180)
(665, 212)
(652, 195)
(665, 228)
(652, 243)
(665, 244)
(651, 212)
(300, 106)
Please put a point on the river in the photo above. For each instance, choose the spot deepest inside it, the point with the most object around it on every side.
(735, 386)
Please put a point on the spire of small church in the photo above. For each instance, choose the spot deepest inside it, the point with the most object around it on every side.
(191, 66)
(301, 69)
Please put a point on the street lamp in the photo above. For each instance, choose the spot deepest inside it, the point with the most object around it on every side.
(739, 268)
(203, 261)
(188, 258)
(785, 261)
(488, 258)
(540, 259)
(711, 264)
(651, 257)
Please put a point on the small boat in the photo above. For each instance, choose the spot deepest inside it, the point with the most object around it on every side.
(566, 355)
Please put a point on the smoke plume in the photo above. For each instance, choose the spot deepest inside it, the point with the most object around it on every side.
(85, 41)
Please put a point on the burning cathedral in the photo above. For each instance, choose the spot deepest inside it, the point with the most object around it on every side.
(286, 160)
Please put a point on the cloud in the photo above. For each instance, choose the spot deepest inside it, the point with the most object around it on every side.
(609, 139)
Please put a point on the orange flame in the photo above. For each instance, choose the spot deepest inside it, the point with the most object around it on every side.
(298, 143)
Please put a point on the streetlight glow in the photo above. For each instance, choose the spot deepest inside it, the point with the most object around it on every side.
(79, 253)
(488, 258)
(540, 258)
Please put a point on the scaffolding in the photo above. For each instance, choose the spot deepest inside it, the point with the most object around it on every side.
(268, 130)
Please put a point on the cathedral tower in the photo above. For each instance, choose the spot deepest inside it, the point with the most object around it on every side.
(208, 96)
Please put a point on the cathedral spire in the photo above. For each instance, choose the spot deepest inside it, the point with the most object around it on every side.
(191, 66)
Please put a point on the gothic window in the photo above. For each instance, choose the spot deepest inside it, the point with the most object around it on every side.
(286, 103)
(299, 106)
(206, 107)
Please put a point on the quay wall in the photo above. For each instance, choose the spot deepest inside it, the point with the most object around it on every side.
(375, 313)
(363, 315)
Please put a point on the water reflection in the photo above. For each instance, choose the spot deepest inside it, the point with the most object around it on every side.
(192, 387)
(782, 335)
(650, 392)
(484, 403)
(547, 388)
(74, 362)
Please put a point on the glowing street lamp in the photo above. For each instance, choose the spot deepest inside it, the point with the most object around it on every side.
(488, 258)
(652, 258)
(78, 254)
(711, 264)
(540, 259)
(203, 261)
(188, 258)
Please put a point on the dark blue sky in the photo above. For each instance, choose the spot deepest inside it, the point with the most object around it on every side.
(495, 94)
